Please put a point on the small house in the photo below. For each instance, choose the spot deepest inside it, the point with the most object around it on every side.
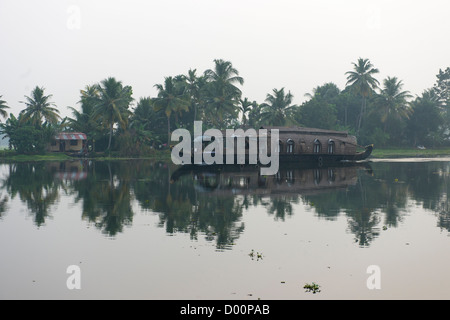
(69, 142)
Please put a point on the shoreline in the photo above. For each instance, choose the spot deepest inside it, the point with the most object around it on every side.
(391, 153)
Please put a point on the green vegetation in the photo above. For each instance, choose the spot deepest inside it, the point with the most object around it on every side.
(409, 152)
(378, 112)
(14, 156)
(312, 287)
(257, 255)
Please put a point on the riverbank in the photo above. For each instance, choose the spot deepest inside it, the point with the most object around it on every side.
(164, 155)
(409, 152)
(9, 155)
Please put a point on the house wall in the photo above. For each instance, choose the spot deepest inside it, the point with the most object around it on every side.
(68, 145)
(77, 147)
(54, 146)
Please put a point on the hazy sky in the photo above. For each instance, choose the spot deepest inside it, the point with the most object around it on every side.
(65, 45)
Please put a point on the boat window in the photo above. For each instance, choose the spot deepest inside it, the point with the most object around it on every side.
(330, 146)
(290, 146)
(317, 146)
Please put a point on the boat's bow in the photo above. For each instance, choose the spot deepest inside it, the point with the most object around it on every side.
(365, 154)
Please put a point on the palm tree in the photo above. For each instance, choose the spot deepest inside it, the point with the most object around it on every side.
(225, 76)
(9, 128)
(3, 106)
(277, 108)
(221, 92)
(82, 120)
(39, 107)
(362, 81)
(426, 118)
(254, 116)
(393, 101)
(111, 104)
(171, 99)
(194, 86)
(146, 123)
(245, 106)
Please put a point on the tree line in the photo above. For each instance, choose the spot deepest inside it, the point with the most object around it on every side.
(378, 112)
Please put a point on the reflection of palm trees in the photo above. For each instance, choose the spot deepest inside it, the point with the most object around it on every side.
(114, 208)
(280, 207)
(219, 218)
(182, 209)
(106, 198)
(35, 186)
(362, 223)
(107, 192)
(3, 207)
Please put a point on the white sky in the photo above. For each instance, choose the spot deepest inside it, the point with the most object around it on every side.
(64, 45)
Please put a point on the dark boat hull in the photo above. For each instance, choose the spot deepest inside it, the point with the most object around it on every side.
(313, 158)
(322, 158)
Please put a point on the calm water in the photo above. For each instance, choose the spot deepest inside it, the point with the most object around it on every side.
(145, 230)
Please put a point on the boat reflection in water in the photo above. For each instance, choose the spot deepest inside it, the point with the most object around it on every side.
(229, 180)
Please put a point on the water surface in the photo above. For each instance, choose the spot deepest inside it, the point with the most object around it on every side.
(147, 230)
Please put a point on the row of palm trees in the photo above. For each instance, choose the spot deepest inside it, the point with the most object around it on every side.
(215, 98)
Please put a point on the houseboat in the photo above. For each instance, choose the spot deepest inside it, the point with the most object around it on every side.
(295, 144)
(300, 144)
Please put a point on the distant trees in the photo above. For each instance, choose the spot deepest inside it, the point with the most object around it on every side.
(320, 111)
(424, 127)
(111, 104)
(113, 121)
(221, 94)
(83, 120)
(171, 99)
(35, 126)
(277, 109)
(39, 108)
(3, 106)
(362, 81)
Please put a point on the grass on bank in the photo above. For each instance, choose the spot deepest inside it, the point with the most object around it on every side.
(409, 152)
(12, 155)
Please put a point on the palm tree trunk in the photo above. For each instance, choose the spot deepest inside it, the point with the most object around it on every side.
(168, 131)
(110, 135)
(195, 111)
(360, 115)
